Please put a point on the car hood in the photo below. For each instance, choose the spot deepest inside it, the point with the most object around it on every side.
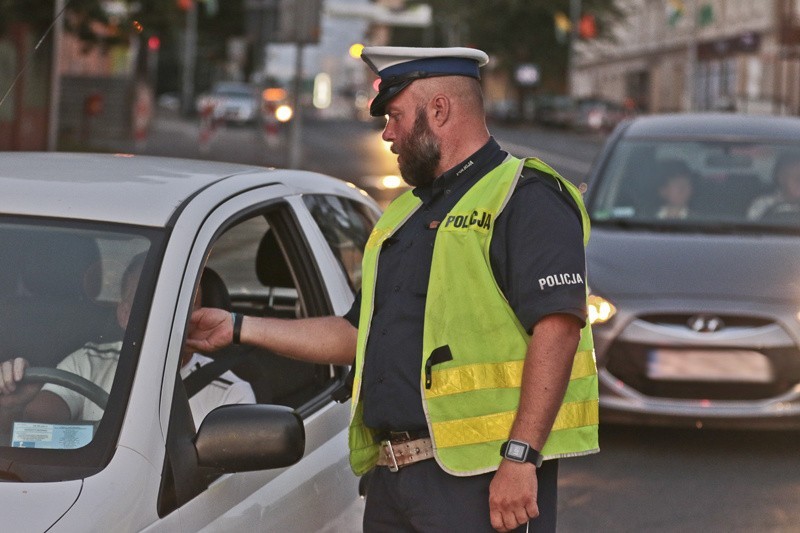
(648, 263)
(35, 506)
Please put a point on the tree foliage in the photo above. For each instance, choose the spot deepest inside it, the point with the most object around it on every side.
(79, 16)
(512, 31)
(217, 21)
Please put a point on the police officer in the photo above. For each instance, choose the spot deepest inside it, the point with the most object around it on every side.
(474, 364)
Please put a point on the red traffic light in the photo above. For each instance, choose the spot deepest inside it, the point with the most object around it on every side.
(153, 43)
(587, 26)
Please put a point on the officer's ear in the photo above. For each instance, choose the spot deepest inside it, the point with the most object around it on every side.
(439, 109)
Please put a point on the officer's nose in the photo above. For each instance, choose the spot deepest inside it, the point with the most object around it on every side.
(388, 132)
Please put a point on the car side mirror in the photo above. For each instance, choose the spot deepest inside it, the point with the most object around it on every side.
(242, 438)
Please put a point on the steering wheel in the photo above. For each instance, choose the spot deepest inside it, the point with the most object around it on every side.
(84, 387)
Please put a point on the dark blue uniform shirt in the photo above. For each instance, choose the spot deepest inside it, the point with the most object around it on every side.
(537, 235)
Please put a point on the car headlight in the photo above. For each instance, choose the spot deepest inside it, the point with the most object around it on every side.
(599, 309)
(391, 182)
(284, 113)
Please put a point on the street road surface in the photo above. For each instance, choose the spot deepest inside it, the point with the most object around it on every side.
(644, 480)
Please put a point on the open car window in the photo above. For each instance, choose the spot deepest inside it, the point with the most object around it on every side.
(72, 304)
(267, 271)
(258, 266)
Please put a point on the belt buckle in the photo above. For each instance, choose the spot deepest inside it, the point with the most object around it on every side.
(387, 444)
(399, 436)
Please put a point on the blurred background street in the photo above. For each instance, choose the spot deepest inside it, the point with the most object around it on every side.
(348, 149)
(645, 479)
(280, 83)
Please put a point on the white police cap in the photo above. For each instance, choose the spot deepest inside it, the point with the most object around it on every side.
(398, 66)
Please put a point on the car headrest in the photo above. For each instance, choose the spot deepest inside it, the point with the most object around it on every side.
(271, 267)
(62, 266)
(214, 294)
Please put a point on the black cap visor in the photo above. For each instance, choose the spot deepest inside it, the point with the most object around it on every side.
(385, 93)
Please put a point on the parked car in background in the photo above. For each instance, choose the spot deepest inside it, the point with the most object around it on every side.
(503, 111)
(232, 102)
(554, 110)
(694, 271)
(596, 114)
(283, 243)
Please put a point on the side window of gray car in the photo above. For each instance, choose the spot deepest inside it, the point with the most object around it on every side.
(346, 226)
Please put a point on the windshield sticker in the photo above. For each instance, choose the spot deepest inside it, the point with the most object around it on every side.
(51, 436)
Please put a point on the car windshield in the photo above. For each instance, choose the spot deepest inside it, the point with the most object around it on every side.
(70, 300)
(720, 184)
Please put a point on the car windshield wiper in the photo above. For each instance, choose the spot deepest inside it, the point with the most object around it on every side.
(630, 224)
(7, 472)
(781, 229)
(698, 226)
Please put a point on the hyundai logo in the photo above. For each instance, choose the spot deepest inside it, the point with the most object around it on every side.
(705, 323)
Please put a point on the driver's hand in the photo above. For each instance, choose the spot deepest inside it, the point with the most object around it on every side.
(13, 395)
(209, 330)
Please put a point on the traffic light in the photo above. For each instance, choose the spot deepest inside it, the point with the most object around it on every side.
(587, 27)
(563, 26)
(185, 5)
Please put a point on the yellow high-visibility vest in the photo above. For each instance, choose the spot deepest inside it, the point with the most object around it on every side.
(474, 346)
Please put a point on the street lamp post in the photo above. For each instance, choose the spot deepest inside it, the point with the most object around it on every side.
(189, 59)
(574, 17)
(55, 77)
(691, 58)
(296, 125)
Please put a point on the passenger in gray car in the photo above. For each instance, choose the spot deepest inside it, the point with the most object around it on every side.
(785, 201)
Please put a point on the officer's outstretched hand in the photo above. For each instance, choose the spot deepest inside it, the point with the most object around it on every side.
(209, 330)
(512, 495)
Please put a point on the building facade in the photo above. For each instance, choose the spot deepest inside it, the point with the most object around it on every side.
(701, 55)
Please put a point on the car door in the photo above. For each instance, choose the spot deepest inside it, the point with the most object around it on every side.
(274, 261)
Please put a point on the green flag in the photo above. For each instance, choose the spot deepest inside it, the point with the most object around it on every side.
(706, 15)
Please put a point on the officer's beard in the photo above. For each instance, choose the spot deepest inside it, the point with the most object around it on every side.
(419, 154)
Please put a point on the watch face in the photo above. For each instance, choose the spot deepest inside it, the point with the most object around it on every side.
(516, 450)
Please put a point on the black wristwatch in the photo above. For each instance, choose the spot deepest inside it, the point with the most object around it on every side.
(521, 452)
(237, 318)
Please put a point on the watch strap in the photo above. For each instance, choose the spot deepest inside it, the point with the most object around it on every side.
(237, 318)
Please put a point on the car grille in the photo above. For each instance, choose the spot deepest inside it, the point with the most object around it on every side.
(633, 364)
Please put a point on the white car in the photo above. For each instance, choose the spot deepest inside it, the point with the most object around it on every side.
(231, 101)
(283, 243)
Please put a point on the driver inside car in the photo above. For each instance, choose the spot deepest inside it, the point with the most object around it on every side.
(98, 363)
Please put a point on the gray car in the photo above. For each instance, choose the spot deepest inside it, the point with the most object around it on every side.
(694, 271)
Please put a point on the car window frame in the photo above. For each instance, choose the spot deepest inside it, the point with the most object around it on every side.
(282, 215)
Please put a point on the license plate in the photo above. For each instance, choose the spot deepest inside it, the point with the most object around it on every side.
(709, 365)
